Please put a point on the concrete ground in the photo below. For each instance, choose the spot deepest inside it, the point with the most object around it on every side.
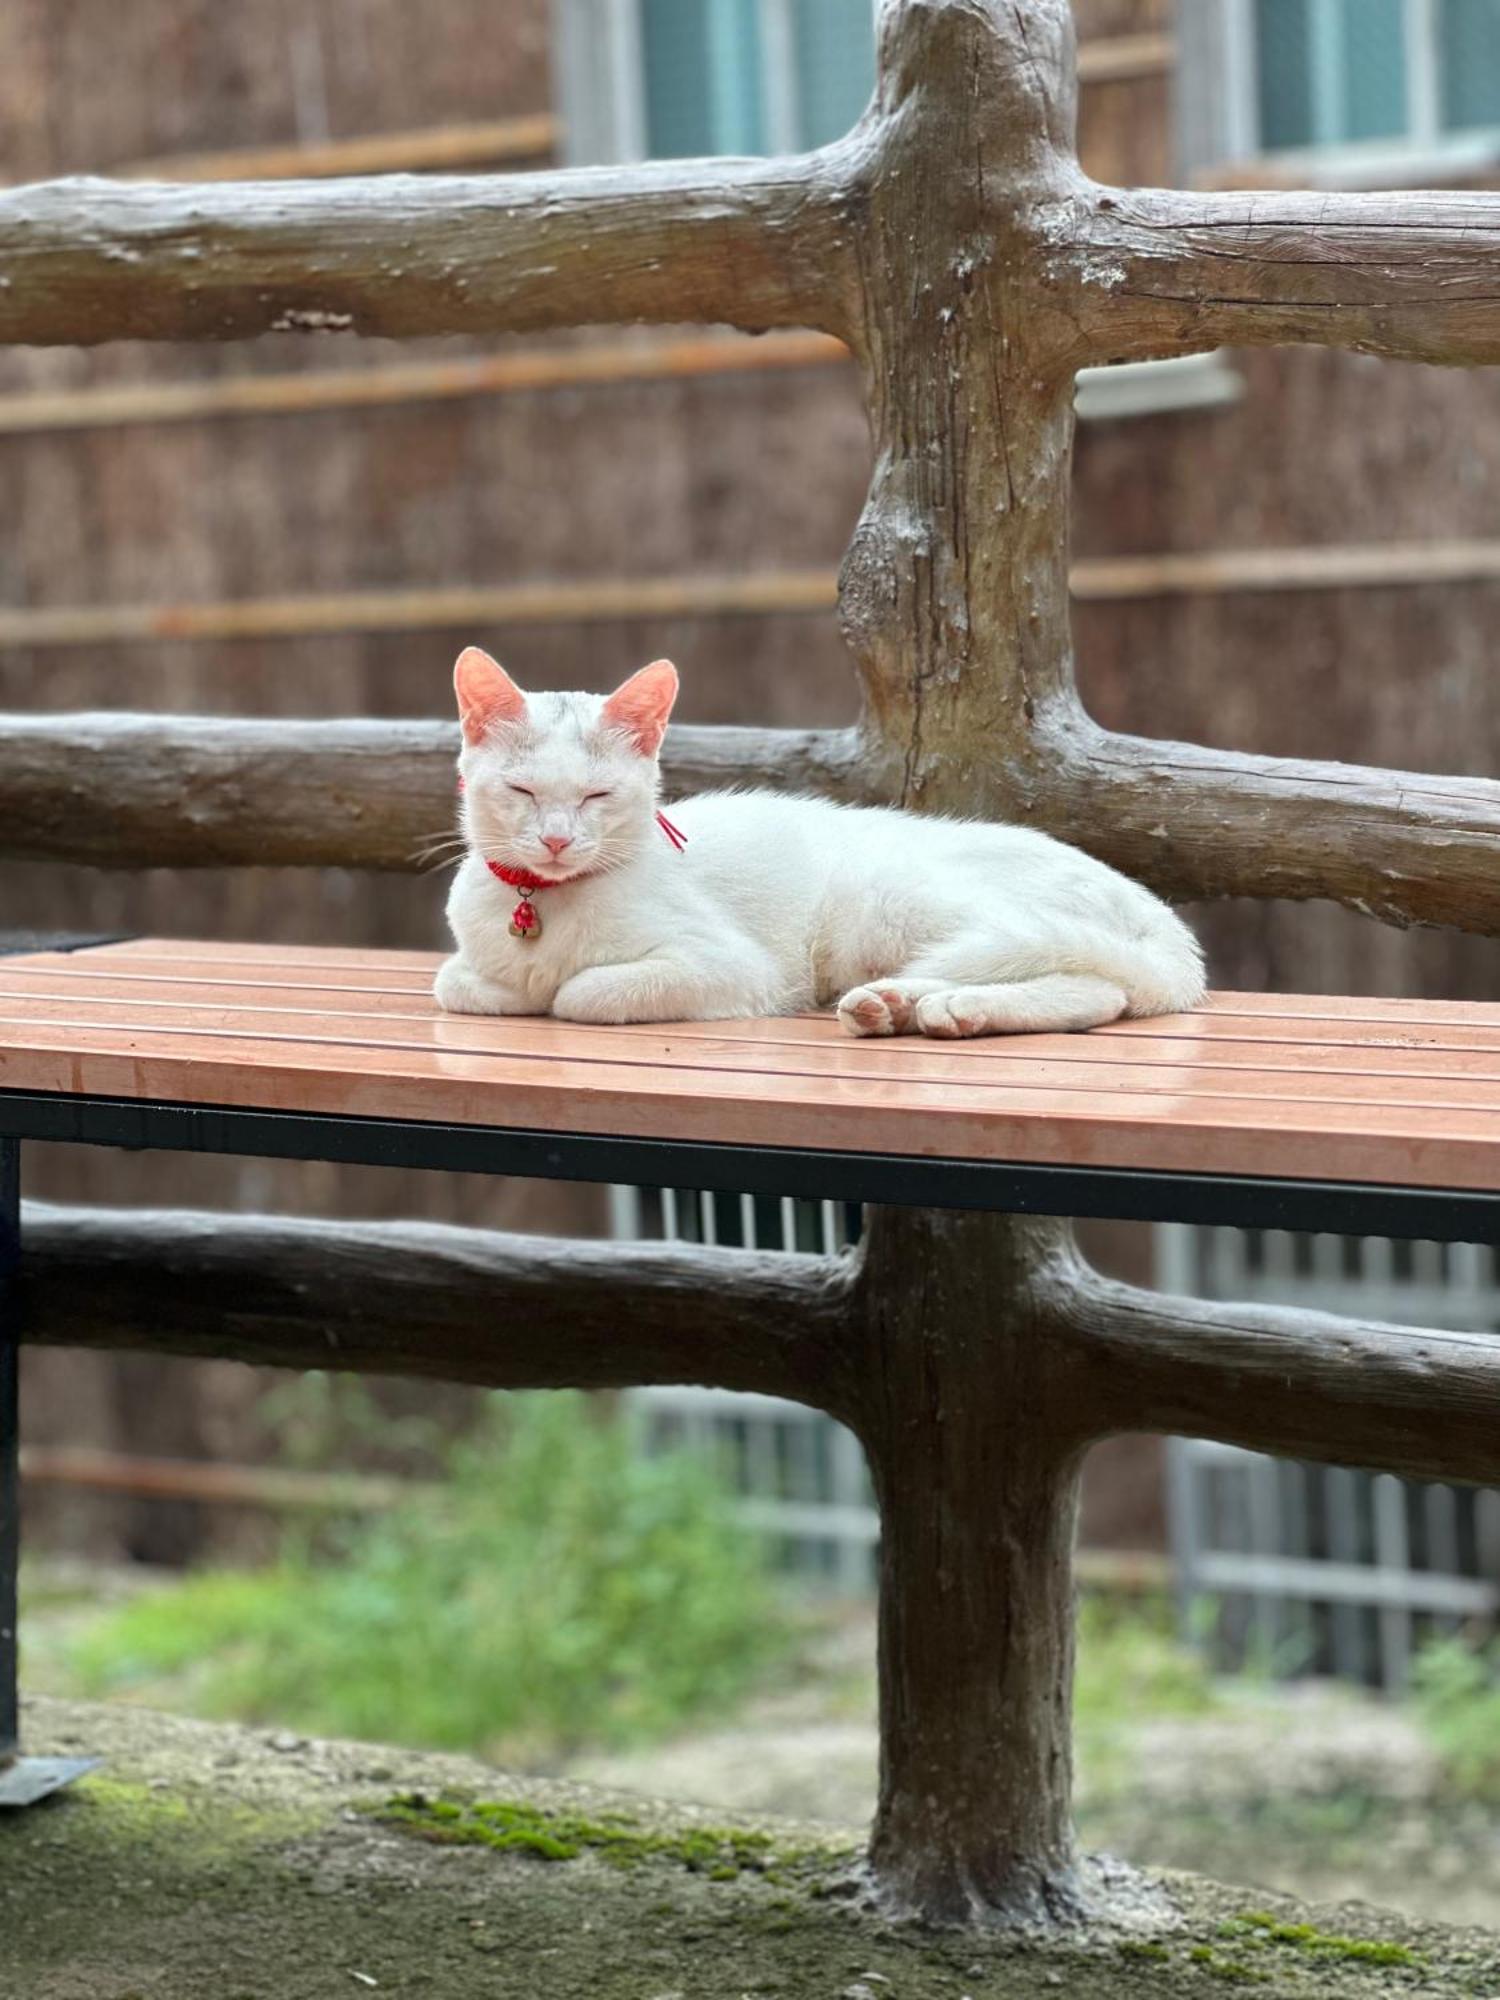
(214, 1863)
(1307, 1788)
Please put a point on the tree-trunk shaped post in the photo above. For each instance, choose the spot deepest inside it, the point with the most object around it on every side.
(975, 1456)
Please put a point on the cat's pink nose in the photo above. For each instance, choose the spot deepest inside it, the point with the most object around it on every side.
(556, 842)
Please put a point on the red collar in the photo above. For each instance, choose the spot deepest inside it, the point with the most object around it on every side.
(524, 922)
(524, 880)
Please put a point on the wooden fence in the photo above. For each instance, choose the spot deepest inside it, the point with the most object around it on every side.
(954, 246)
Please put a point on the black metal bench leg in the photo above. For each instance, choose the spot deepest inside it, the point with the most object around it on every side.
(23, 1780)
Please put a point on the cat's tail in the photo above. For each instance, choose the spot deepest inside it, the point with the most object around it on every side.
(1162, 971)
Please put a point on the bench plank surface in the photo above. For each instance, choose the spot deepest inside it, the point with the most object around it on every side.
(1390, 1093)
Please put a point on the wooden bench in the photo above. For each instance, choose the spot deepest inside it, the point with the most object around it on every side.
(1270, 1110)
(1262, 1110)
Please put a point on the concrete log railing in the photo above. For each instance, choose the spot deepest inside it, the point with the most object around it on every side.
(953, 244)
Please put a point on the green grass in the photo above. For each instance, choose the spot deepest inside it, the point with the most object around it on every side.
(1131, 1667)
(562, 1590)
(1456, 1693)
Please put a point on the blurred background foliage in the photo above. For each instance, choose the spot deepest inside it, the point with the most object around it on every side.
(558, 1587)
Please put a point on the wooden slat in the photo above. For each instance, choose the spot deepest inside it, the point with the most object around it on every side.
(1285, 1067)
(757, 594)
(295, 1028)
(475, 144)
(1122, 58)
(1113, 579)
(1332, 566)
(1239, 1027)
(172, 953)
(1040, 1063)
(1417, 1147)
(296, 394)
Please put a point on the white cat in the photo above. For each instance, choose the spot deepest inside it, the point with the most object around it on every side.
(773, 904)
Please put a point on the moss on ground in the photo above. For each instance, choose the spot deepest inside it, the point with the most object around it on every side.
(218, 1864)
(619, 1839)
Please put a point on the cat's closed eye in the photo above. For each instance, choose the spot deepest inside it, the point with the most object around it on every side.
(589, 797)
(525, 794)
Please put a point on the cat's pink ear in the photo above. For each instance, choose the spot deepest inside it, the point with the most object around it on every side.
(641, 708)
(487, 696)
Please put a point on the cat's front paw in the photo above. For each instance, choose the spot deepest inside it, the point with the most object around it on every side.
(863, 1011)
(599, 995)
(459, 989)
(886, 1009)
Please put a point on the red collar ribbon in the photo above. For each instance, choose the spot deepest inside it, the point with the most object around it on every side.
(525, 920)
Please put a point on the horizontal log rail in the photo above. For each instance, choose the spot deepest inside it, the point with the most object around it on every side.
(1119, 275)
(764, 593)
(447, 1304)
(1196, 823)
(1306, 1385)
(1154, 272)
(755, 245)
(481, 142)
(301, 393)
(430, 1301)
(199, 792)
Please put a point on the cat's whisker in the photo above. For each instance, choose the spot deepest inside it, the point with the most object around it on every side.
(442, 847)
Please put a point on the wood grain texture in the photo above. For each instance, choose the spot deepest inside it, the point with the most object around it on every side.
(1409, 276)
(1200, 823)
(200, 792)
(972, 1823)
(319, 1033)
(1307, 1385)
(1376, 1067)
(422, 1299)
(754, 245)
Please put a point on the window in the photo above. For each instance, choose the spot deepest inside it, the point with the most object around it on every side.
(666, 79)
(1362, 78)
(680, 79)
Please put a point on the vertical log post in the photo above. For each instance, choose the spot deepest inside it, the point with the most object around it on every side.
(975, 1455)
(954, 600)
